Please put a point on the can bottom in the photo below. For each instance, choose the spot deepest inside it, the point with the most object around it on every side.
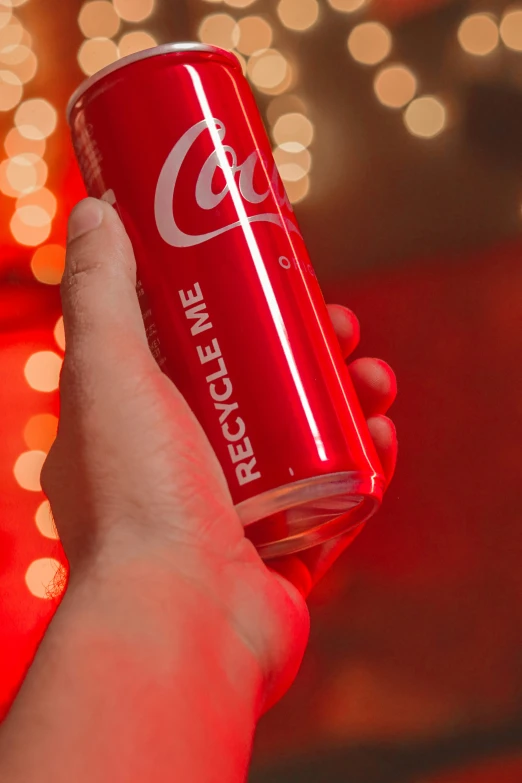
(309, 512)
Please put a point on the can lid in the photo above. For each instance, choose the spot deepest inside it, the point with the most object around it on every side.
(145, 54)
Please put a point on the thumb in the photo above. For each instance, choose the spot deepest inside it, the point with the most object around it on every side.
(100, 305)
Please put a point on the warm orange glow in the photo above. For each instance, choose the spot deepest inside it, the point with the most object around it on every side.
(16, 144)
(347, 6)
(45, 522)
(98, 19)
(369, 43)
(254, 33)
(298, 189)
(36, 118)
(511, 29)
(478, 34)
(134, 10)
(292, 165)
(24, 232)
(395, 86)
(292, 131)
(269, 71)
(42, 371)
(239, 3)
(219, 30)
(11, 90)
(40, 431)
(298, 14)
(21, 173)
(5, 14)
(48, 263)
(59, 333)
(27, 469)
(26, 68)
(45, 578)
(137, 41)
(42, 199)
(425, 117)
(12, 34)
(284, 104)
(96, 53)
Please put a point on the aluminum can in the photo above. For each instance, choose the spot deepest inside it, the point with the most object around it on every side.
(172, 137)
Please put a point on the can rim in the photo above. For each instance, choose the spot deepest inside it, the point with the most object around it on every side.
(145, 54)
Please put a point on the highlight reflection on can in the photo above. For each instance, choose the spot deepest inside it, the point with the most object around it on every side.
(234, 314)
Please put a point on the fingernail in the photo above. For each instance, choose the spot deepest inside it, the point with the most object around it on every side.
(85, 217)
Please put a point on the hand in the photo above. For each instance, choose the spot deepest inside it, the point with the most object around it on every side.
(135, 488)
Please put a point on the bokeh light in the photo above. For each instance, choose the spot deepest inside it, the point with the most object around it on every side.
(26, 69)
(254, 33)
(478, 34)
(16, 144)
(136, 41)
(425, 117)
(511, 29)
(96, 53)
(45, 522)
(12, 33)
(21, 173)
(11, 90)
(369, 43)
(42, 371)
(284, 104)
(347, 6)
(298, 14)
(48, 263)
(42, 198)
(6, 13)
(30, 228)
(40, 431)
(297, 163)
(59, 333)
(395, 86)
(220, 30)
(239, 3)
(36, 118)
(45, 578)
(298, 189)
(134, 10)
(291, 130)
(27, 469)
(269, 70)
(98, 19)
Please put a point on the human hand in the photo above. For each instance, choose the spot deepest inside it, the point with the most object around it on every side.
(134, 485)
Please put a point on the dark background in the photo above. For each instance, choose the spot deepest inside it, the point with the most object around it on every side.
(414, 670)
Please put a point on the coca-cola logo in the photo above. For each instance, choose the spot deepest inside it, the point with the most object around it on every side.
(239, 185)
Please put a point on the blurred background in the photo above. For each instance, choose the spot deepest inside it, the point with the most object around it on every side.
(397, 127)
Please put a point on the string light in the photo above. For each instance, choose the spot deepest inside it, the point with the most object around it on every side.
(27, 469)
(395, 86)
(369, 43)
(425, 117)
(136, 41)
(239, 3)
(40, 431)
(16, 144)
(134, 10)
(285, 104)
(11, 90)
(42, 199)
(42, 371)
(59, 333)
(511, 29)
(36, 118)
(98, 19)
(96, 53)
(45, 578)
(48, 263)
(293, 132)
(298, 14)
(348, 6)
(45, 522)
(298, 190)
(270, 71)
(31, 233)
(219, 30)
(255, 33)
(478, 34)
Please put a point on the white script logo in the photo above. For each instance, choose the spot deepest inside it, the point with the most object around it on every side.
(224, 158)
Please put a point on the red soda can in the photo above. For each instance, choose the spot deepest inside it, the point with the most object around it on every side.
(172, 137)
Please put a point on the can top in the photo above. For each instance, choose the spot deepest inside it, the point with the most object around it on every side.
(169, 48)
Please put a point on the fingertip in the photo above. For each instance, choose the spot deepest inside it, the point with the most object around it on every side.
(384, 435)
(375, 384)
(346, 326)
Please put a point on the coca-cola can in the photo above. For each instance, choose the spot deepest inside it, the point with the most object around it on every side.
(172, 137)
